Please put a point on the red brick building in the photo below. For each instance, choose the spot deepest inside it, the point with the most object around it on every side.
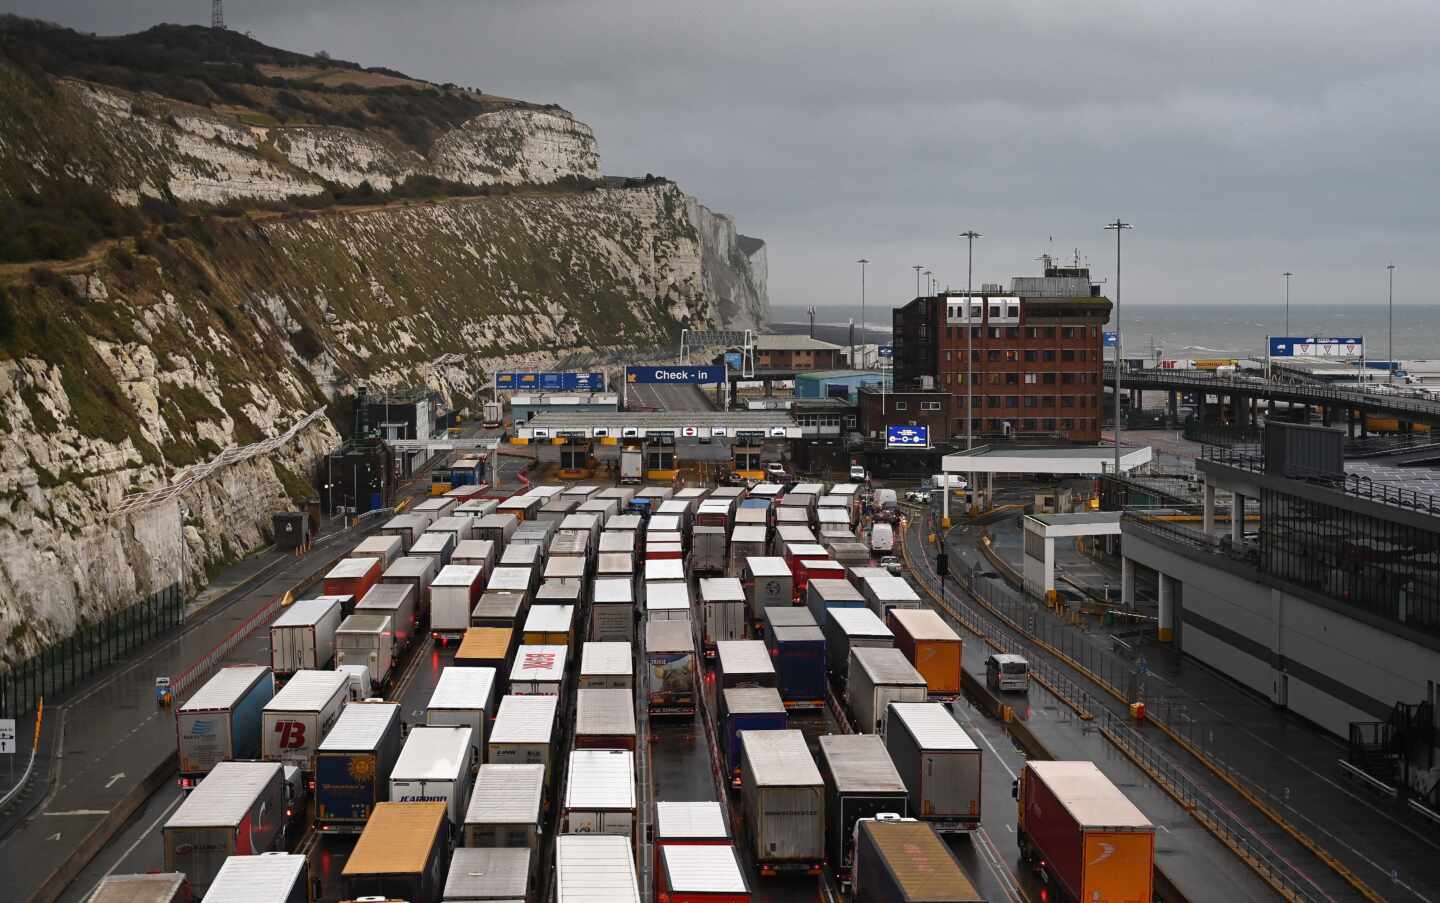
(1036, 355)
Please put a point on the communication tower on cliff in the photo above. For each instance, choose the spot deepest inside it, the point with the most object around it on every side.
(217, 14)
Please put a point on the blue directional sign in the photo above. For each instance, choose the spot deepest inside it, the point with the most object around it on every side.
(551, 381)
(907, 437)
(1112, 340)
(1347, 347)
(734, 360)
(885, 350)
(675, 376)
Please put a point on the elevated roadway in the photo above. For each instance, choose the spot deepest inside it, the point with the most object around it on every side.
(1406, 408)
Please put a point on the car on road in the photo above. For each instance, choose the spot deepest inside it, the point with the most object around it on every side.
(918, 496)
(857, 474)
(892, 564)
(775, 472)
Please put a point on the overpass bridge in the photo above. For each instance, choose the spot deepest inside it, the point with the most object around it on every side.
(1240, 396)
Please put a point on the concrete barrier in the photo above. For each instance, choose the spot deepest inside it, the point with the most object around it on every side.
(100, 835)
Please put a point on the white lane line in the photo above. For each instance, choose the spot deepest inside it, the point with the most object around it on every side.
(139, 840)
(81, 812)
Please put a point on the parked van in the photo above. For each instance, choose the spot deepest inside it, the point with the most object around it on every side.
(882, 539)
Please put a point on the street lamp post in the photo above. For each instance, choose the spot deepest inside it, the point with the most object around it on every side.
(1391, 268)
(929, 283)
(917, 268)
(969, 237)
(1287, 274)
(862, 261)
(1120, 226)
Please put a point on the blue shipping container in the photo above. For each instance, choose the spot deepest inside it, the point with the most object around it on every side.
(799, 656)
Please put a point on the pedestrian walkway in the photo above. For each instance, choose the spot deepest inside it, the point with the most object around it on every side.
(1288, 764)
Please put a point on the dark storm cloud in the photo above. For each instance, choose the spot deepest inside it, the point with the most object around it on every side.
(1242, 139)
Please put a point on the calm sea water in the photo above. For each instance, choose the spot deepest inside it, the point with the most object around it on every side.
(1225, 330)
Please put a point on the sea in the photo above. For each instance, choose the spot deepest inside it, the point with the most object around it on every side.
(1217, 330)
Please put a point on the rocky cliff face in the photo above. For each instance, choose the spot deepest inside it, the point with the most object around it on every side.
(124, 370)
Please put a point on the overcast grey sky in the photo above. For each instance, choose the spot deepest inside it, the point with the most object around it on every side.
(1240, 138)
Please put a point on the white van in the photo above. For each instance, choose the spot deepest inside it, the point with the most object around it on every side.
(882, 538)
(1005, 672)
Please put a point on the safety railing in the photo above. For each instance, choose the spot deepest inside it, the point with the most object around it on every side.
(60, 665)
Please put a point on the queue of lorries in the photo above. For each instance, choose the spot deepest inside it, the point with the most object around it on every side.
(570, 608)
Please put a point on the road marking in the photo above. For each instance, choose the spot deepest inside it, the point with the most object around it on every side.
(55, 836)
(130, 849)
(82, 812)
(114, 777)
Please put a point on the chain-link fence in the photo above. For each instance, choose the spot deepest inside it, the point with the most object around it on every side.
(94, 646)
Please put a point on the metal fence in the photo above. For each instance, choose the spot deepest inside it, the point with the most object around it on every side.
(61, 665)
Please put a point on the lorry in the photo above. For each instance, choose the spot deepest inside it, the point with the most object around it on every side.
(632, 466)
(860, 782)
(276, 877)
(848, 629)
(237, 810)
(293, 723)
(453, 594)
(463, 697)
(524, 732)
(549, 625)
(483, 875)
(744, 663)
(406, 526)
(487, 647)
(385, 547)
(594, 867)
(539, 670)
(670, 667)
(783, 800)
(352, 577)
(1082, 835)
(606, 666)
(498, 608)
(612, 610)
(353, 765)
(799, 655)
(884, 592)
(880, 676)
(932, 646)
(360, 684)
(747, 709)
(768, 582)
(414, 570)
(746, 541)
(366, 638)
(600, 794)
(829, 592)
(605, 719)
(939, 763)
(708, 550)
(403, 854)
(700, 873)
(723, 612)
(157, 887)
(399, 602)
(434, 767)
(303, 637)
(222, 720)
(506, 807)
(903, 860)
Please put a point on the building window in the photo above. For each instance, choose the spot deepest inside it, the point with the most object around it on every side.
(1028, 424)
(1067, 332)
(1049, 379)
(1067, 379)
(850, 421)
(992, 401)
(1094, 330)
(992, 356)
(1012, 401)
(994, 332)
(994, 311)
(1032, 401)
(994, 379)
(1047, 401)
(976, 333)
(1030, 379)
(1066, 424)
(1067, 355)
(929, 405)
(1012, 332)
(1012, 356)
(1012, 379)
(902, 406)
(1067, 401)
(947, 357)
(1049, 332)
(1032, 356)
(1048, 355)
(1048, 424)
